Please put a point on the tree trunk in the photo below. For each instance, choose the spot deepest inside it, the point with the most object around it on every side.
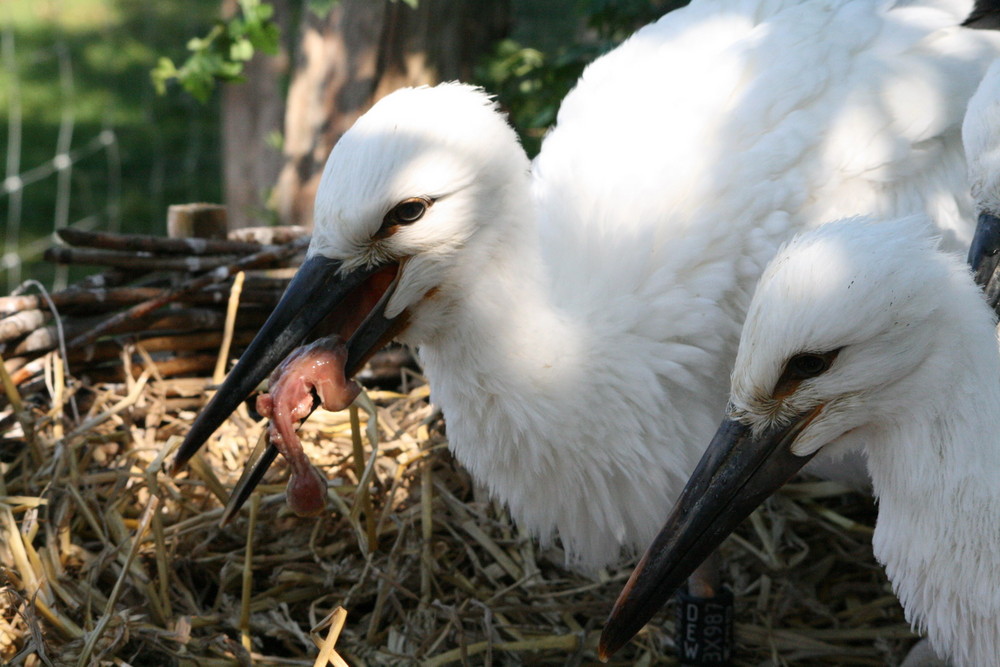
(253, 117)
(362, 50)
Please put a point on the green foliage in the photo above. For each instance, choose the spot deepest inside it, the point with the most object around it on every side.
(530, 83)
(614, 20)
(166, 150)
(220, 55)
(323, 7)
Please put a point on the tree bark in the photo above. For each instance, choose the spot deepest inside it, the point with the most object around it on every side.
(361, 51)
(253, 117)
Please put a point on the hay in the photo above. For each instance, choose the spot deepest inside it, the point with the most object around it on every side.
(108, 560)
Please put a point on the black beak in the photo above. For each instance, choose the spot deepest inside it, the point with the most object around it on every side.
(317, 290)
(735, 475)
(984, 255)
(373, 334)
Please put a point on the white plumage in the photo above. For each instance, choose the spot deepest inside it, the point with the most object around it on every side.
(916, 382)
(981, 137)
(576, 316)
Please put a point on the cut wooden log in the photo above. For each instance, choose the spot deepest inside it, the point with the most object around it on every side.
(201, 220)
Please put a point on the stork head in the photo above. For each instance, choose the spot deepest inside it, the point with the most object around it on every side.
(981, 138)
(837, 340)
(838, 323)
(427, 180)
(413, 197)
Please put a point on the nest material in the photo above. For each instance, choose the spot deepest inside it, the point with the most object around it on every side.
(108, 560)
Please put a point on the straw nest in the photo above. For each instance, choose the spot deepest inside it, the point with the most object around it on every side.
(108, 560)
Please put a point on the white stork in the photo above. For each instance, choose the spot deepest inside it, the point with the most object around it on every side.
(981, 137)
(576, 316)
(862, 334)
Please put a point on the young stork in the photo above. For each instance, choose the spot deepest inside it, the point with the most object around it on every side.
(575, 316)
(981, 137)
(861, 333)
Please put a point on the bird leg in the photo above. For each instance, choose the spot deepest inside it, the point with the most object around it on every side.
(705, 617)
(317, 367)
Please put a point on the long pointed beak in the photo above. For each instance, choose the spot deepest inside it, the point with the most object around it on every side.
(318, 288)
(735, 475)
(984, 256)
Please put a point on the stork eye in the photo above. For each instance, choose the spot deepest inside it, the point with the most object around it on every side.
(408, 211)
(405, 212)
(809, 365)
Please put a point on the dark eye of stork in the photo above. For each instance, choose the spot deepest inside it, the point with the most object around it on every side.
(809, 365)
(405, 212)
(802, 367)
(409, 211)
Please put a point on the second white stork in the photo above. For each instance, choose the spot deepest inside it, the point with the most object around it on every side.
(981, 137)
(861, 334)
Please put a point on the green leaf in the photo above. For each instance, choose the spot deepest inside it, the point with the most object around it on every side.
(163, 72)
(322, 8)
(220, 55)
(241, 50)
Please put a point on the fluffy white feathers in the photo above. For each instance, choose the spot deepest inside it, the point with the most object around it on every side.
(981, 136)
(917, 383)
(576, 321)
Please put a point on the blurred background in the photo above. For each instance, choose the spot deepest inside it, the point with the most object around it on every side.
(89, 142)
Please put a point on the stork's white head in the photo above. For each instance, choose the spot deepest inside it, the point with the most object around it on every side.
(840, 321)
(414, 200)
(431, 178)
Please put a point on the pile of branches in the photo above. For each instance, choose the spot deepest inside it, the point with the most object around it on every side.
(168, 296)
(107, 560)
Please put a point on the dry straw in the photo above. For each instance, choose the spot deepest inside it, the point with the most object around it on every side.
(106, 560)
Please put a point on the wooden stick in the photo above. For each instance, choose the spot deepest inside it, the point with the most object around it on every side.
(136, 260)
(107, 278)
(270, 256)
(99, 299)
(157, 244)
(269, 235)
(184, 319)
(20, 323)
(109, 350)
(28, 371)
